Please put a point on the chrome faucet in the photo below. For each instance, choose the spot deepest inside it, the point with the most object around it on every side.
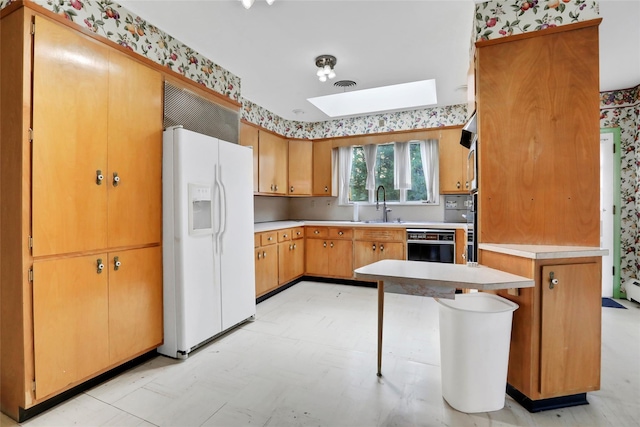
(385, 211)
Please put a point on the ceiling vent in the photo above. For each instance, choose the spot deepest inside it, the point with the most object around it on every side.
(344, 83)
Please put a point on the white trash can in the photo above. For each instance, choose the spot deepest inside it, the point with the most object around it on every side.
(475, 335)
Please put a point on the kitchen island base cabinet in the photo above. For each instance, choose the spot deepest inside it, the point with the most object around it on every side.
(556, 336)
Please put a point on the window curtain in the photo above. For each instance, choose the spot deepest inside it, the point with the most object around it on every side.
(370, 160)
(402, 166)
(429, 156)
(344, 173)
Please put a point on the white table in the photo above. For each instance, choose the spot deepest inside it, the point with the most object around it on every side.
(432, 279)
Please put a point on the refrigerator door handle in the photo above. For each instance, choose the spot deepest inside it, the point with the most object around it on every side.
(217, 230)
(223, 206)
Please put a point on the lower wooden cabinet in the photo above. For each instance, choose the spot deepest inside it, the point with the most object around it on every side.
(556, 333)
(89, 314)
(266, 261)
(329, 252)
(373, 245)
(290, 255)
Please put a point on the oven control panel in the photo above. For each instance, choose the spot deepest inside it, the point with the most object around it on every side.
(430, 235)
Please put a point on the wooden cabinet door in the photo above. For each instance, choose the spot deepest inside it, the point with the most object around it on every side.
(322, 168)
(300, 167)
(135, 153)
(266, 269)
(249, 138)
(461, 246)
(285, 262)
(317, 257)
(135, 302)
(340, 258)
(453, 163)
(365, 253)
(273, 152)
(70, 86)
(570, 330)
(70, 321)
(297, 267)
(390, 250)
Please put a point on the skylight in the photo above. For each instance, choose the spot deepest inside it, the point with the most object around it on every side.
(395, 97)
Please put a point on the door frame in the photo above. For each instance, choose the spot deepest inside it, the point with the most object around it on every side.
(617, 207)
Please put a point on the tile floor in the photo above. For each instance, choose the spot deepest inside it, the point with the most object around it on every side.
(309, 359)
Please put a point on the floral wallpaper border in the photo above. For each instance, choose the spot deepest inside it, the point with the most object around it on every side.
(396, 121)
(113, 22)
(621, 108)
(495, 19)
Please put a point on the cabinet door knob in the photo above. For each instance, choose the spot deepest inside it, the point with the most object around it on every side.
(552, 280)
(381, 248)
(276, 187)
(99, 265)
(99, 177)
(373, 246)
(326, 189)
(316, 232)
(259, 255)
(466, 185)
(290, 247)
(292, 188)
(458, 184)
(116, 179)
(264, 254)
(294, 246)
(269, 238)
(340, 233)
(284, 236)
(324, 244)
(116, 263)
(331, 244)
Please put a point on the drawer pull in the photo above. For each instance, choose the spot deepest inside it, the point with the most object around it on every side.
(373, 246)
(381, 248)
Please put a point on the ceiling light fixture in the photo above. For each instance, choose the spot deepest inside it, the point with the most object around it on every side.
(325, 64)
(248, 3)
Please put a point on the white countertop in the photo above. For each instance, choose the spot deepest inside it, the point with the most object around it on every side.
(544, 251)
(438, 279)
(278, 225)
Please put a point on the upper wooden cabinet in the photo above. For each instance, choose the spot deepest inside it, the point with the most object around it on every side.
(249, 138)
(453, 163)
(272, 163)
(92, 164)
(322, 168)
(300, 167)
(539, 146)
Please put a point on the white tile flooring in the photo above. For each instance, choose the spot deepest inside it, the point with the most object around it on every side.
(309, 359)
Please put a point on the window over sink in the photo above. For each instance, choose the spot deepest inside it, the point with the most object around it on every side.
(399, 167)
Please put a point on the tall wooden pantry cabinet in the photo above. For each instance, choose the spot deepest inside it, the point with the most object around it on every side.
(81, 256)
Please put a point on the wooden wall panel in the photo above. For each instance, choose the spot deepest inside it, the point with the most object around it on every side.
(538, 124)
(16, 346)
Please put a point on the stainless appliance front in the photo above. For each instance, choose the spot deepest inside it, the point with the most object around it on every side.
(431, 245)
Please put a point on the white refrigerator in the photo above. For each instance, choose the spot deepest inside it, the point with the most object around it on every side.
(209, 271)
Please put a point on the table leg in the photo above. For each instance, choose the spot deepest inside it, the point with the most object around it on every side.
(380, 313)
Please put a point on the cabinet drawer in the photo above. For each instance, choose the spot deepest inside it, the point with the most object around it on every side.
(284, 235)
(319, 232)
(297, 233)
(268, 238)
(381, 234)
(340, 233)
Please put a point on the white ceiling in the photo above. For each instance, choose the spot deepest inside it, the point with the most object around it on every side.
(377, 43)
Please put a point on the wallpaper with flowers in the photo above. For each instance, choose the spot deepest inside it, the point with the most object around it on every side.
(621, 108)
(112, 21)
(495, 19)
(396, 121)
